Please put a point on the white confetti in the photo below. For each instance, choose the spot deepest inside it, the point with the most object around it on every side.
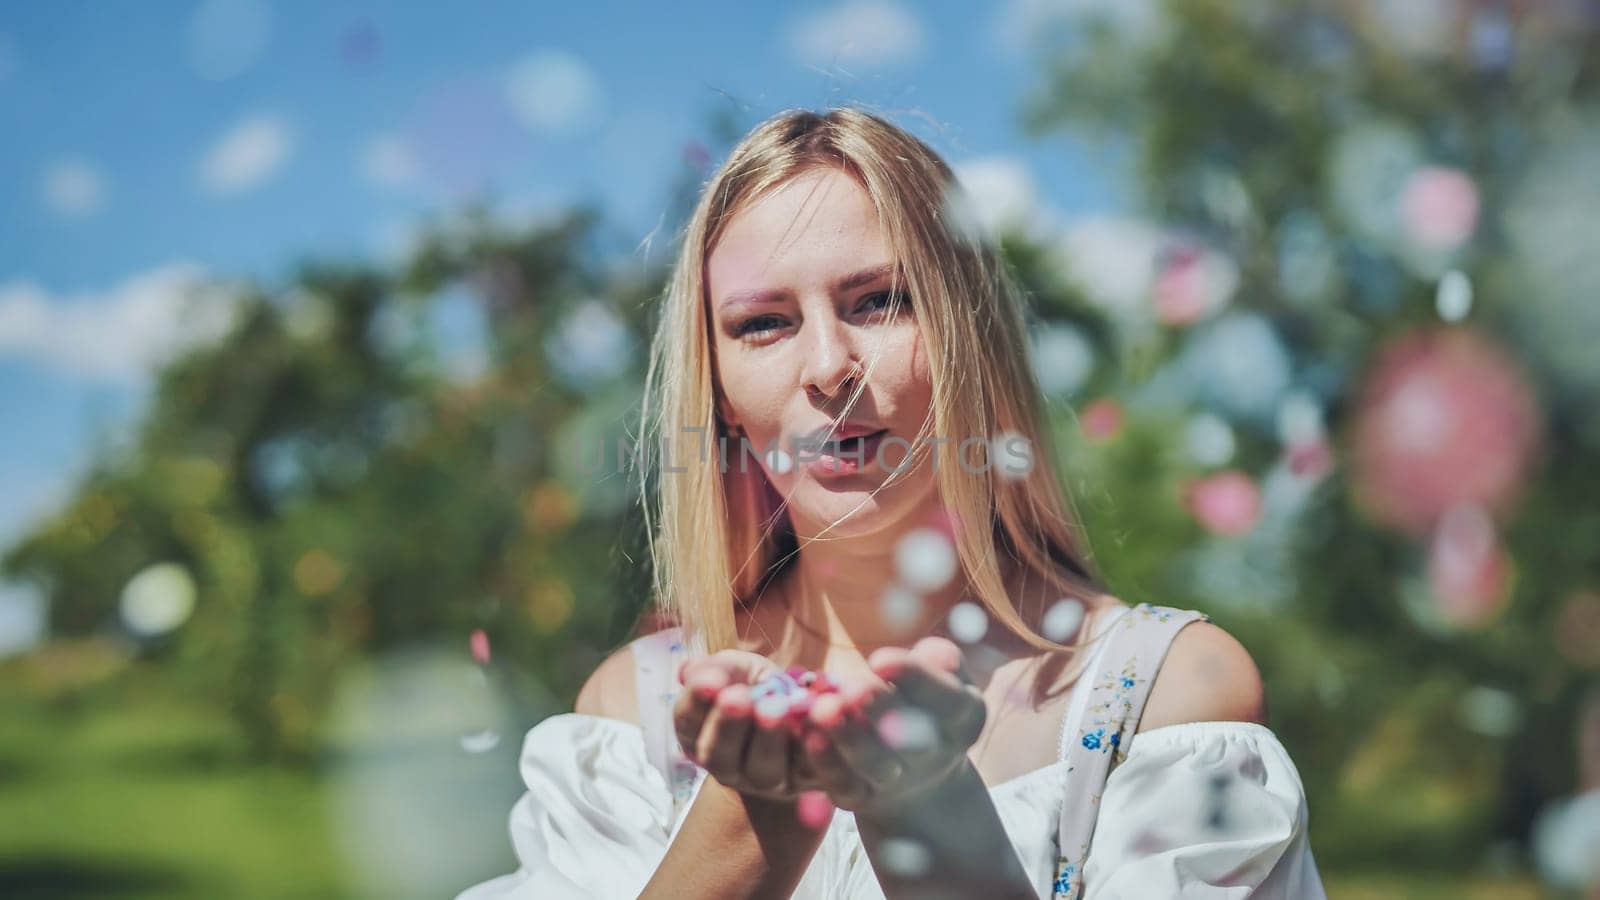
(779, 462)
(925, 560)
(906, 856)
(158, 599)
(1299, 419)
(1209, 440)
(1061, 621)
(968, 622)
(901, 606)
(481, 742)
(1012, 455)
(908, 729)
(772, 706)
(1454, 298)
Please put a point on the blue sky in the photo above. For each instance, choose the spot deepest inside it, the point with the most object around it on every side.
(148, 144)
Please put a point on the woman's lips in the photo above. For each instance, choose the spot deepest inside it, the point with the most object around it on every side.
(850, 460)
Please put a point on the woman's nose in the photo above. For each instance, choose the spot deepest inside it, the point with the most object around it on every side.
(831, 364)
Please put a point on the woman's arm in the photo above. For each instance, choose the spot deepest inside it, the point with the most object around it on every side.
(916, 783)
(733, 845)
(743, 836)
(966, 849)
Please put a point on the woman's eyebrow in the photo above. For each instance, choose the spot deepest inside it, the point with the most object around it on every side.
(843, 283)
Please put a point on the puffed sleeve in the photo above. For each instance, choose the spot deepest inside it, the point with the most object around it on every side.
(595, 820)
(1203, 809)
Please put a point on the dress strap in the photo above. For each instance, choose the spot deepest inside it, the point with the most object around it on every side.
(1136, 645)
(655, 658)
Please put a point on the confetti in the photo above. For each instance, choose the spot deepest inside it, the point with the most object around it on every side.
(968, 622)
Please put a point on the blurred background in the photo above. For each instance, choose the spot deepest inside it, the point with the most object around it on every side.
(314, 318)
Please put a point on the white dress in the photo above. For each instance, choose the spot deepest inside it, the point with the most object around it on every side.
(601, 809)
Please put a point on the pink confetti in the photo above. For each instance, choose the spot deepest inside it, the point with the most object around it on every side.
(480, 646)
(892, 730)
(1102, 419)
(1439, 207)
(814, 810)
(1180, 288)
(1468, 568)
(1225, 504)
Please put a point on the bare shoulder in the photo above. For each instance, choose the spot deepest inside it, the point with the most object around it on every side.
(1207, 676)
(609, 692)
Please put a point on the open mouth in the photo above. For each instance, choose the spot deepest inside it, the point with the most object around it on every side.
(851, 446)
(847, 456)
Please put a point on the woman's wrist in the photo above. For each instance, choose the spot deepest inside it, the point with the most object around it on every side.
(956, 828)
(945, 793)
(733, 845)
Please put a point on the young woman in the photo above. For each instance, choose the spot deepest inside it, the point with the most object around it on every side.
(854, 480)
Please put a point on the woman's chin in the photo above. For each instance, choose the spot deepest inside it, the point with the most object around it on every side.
(852, 512)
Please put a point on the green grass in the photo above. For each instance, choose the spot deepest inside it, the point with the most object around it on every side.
(150, 798)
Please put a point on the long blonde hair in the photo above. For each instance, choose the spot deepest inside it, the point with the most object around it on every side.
(718, 537)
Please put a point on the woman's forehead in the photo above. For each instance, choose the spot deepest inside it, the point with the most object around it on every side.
(816, 228)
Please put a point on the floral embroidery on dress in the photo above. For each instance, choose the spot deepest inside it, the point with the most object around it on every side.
(1069, 875)
(1119, 691)
(1111, 714)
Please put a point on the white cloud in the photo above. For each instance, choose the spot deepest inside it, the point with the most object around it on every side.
(555, 91)
(247, 155)
(116, 336)
(860, 34)
(389, 162)
(73, 188)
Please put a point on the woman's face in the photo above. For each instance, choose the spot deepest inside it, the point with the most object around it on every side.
(799, 298)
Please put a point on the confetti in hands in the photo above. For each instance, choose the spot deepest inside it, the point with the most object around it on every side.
(870, 742)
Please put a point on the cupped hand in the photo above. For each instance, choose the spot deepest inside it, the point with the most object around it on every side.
(885, 739)
(719, 727)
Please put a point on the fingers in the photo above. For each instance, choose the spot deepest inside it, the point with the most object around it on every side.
(689, 714)
(854, 737)
(928, 679)
(766, 763)
(718, 725)
(703, 680)
(727, 729)
(821, 759)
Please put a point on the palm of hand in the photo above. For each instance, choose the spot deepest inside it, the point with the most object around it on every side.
(872, 745)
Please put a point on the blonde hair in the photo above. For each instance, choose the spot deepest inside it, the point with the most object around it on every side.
(721, 537)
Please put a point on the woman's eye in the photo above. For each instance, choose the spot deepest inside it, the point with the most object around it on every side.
(884, 300)
(758, 325)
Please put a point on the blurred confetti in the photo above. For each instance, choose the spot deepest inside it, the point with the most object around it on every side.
(968, 622)
(1101, 419)
(1011, 456)
(1445, 417)
(555, 92)
(1468, 570)
(906, 857)
(814, 809)
(1062, 620)
(1063, 359)
(1208, 439)
(925, 560)
(1565, 836)
(158, 599)
(1227, 504)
